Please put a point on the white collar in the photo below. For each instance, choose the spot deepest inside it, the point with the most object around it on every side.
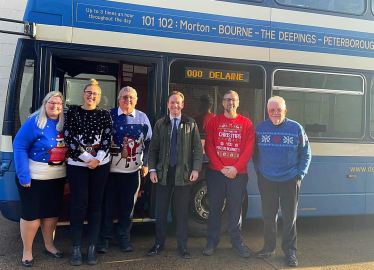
(178, 117)
(120, 112)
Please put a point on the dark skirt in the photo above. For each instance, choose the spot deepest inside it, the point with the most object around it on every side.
(42, 200)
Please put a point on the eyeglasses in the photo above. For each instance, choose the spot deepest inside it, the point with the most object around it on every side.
(89, 93)
(54, 103)
(275, 110)
(128, 97)
(231, 99)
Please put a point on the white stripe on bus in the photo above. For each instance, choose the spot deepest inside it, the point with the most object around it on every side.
(321, 20)
(342, 149)
(54, 33)
(318, 148)
(6, 144)
(321, 59)
(172, 45)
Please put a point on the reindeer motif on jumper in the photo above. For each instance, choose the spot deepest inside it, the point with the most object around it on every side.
(91, 148)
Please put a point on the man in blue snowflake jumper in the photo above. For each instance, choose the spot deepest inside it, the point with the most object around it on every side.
(281, 160)
(129, 151)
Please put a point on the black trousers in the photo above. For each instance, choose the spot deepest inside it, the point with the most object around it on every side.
(86, 191)
(121, 188)
(234, 190)
(287, 193)
(181, 201)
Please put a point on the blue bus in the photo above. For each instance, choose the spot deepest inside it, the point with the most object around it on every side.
(318, 55)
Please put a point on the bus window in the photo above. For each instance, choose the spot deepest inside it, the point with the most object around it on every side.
(356, 7)
(75, 85)
(25, 99)
(204, 84)
(318, 81)
(372, 109)
(330, 107)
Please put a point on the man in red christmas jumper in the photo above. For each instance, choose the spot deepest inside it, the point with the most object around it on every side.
(229, 145)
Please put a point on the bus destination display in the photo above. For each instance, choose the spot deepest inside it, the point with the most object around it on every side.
(216, 74)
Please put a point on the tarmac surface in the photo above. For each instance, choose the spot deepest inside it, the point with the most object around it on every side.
(323, 243)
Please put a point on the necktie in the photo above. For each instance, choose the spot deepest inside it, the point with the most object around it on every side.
(173, 147)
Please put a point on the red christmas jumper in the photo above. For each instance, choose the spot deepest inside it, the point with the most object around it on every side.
(229, 142)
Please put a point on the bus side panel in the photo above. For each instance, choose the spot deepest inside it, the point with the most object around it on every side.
(370, 189)
(369, 203)
(9, 199)
(252, 186)
(254, 206)
(326, 177)
(11, 210)
(334, 178)
(8, 187)
(370, 178)
(333, 186)
(326, 190)
(319, 205)
(331, 205)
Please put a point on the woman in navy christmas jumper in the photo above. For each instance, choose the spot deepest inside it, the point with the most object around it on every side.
(88, 133)
(39, 154)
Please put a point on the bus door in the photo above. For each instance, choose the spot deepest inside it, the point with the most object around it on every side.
(70, 76)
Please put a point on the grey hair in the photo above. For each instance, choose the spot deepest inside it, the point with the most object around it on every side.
(41, 115)
(277, 99)
(128, 89)
(231, 92)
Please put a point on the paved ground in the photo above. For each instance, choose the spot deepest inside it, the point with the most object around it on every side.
(324, 243)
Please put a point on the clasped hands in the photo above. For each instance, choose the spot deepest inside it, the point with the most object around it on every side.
(229, 171)
(92, 163)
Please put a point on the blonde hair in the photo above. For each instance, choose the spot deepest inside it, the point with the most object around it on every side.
(41, 115)
(94, 83)
(277, 99)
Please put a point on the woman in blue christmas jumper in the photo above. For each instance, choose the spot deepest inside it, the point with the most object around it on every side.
(39, 154)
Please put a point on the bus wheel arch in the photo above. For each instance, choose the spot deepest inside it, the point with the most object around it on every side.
(198, 210)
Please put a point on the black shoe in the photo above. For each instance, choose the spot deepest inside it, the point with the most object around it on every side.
(263, 254)
(56, 255)
(91, 255)
(125, 245)
(242, 251)
(209, 249)
(183, 251)
(292, 260)
(156, 249)
(76, 258)
(28, 263)
(102, 246)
